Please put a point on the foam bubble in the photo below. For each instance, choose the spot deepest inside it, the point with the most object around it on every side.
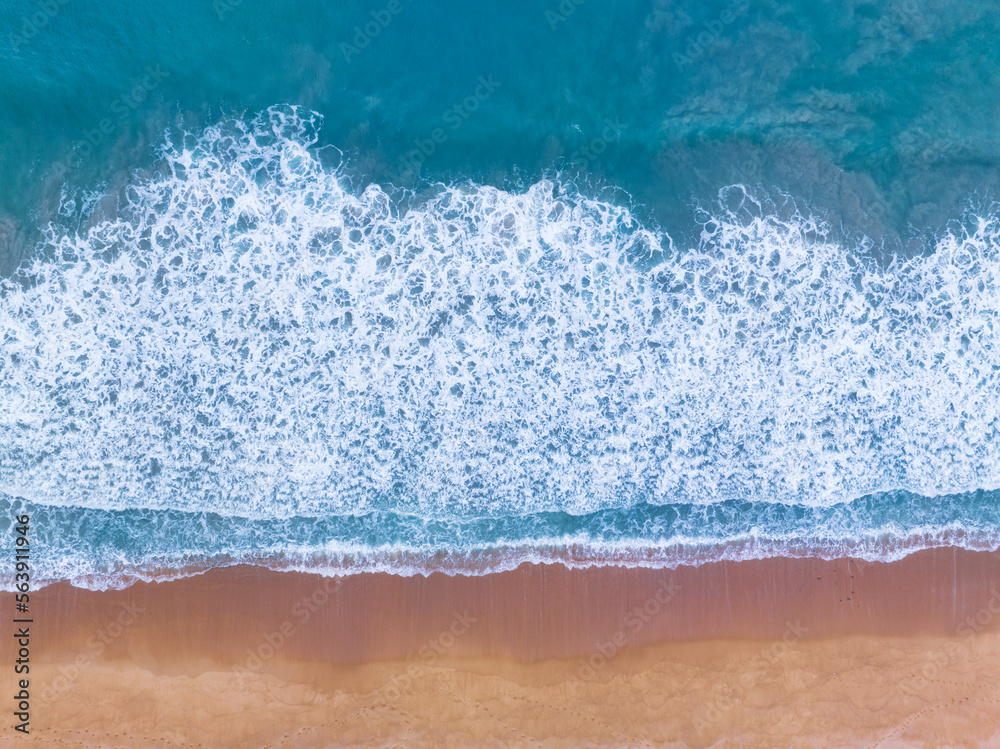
(249, 337)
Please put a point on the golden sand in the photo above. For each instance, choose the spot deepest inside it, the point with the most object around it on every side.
(771, 654)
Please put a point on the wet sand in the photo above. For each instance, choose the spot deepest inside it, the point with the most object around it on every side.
(779, 652)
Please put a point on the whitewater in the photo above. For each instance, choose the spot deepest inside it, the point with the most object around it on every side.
(251, 361)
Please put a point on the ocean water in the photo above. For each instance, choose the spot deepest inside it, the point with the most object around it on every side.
(410, 287)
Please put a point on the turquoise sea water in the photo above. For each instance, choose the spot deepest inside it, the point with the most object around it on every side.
(414, 286)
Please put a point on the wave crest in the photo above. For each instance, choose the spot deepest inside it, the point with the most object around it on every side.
(248, 336)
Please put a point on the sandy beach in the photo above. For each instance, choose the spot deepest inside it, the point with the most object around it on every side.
(779, 652)
(536, 373)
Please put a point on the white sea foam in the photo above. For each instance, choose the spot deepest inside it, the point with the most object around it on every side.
(249, 337)
(85, 570)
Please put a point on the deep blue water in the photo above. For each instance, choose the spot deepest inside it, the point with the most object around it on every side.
(416, 286)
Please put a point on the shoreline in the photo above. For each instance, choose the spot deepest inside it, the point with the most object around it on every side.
(542, 611)
(497, 560)
(720, 645)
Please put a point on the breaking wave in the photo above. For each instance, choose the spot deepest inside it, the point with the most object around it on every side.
(247, 337)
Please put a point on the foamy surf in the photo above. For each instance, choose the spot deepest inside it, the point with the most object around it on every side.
(112, 548)
(248, 340)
